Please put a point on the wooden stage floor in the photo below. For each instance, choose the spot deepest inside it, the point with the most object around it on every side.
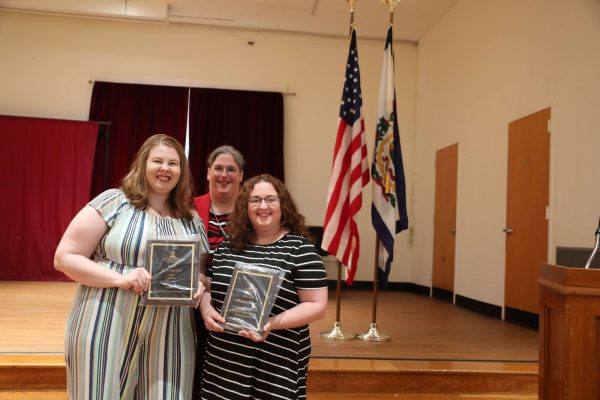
(32, 318)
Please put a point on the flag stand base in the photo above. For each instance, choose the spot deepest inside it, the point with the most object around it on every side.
(373, 335)
(336, 333)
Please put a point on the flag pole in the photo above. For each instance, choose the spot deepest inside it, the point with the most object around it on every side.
(373, 334)
(336, 332)
(351, 2)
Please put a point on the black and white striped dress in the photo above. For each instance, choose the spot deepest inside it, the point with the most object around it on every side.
(238, 368)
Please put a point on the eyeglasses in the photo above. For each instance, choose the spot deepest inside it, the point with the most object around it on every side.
(220, 170)
(256, 201)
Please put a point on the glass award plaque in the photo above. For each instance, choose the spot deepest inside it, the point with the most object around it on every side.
(250, 297)
(173, 265)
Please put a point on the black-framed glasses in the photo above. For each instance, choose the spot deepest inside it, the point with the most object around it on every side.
(256, 201)
(220, 170)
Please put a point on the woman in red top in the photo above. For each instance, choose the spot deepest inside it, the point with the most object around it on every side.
(225, 172)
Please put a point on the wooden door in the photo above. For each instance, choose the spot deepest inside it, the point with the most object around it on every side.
(444, 219)
(526, 210)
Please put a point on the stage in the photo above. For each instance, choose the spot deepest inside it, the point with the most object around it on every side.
(428, 336)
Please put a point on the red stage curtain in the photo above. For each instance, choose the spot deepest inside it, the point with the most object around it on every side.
(135, 112)
(44, 181)
(250, 121)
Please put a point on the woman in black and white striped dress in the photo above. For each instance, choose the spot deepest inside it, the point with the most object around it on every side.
(265, 230)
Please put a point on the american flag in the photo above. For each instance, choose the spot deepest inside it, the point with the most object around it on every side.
(350, 172)
(388, 212)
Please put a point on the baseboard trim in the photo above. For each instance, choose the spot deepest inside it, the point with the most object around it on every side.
(442, 294)
(480, 307)
(523, 318)
(391, 287)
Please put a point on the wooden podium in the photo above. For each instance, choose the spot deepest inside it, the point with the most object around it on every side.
(569, 333)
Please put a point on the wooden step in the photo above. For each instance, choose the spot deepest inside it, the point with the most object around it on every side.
(62, 395)
(33, 395)
(31, 372)
(431, 377)
(400, 396)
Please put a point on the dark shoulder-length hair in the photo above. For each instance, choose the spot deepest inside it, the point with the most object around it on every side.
(135, 185)
(240, 227)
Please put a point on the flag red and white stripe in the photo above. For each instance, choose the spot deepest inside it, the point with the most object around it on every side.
(350, 172)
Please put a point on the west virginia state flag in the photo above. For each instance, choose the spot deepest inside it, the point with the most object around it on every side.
(388, 211)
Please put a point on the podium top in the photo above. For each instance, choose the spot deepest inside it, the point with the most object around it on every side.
(565, 279)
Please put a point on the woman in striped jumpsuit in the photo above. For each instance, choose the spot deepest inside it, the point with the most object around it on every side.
(114, 348)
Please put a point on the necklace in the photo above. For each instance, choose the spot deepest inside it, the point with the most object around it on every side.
(218, 221)
(165, 212)
(281, 232)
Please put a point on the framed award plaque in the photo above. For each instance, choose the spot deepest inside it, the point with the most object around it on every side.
(250, 297)
(173, 265)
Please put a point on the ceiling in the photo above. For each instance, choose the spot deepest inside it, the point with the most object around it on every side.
(412, 18)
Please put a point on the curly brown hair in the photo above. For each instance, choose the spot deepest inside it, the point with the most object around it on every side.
(240, 227)
(135, 184)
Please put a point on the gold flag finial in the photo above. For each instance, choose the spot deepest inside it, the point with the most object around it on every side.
(351, 2)
(391, 4)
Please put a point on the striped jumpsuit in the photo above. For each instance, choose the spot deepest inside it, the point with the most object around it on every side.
(114, 348)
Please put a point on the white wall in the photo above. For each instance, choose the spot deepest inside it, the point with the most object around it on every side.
(489, 62)
(486, 63)
(48, 61)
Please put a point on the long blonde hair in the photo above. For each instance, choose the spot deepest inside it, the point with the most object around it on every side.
(135, 184)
